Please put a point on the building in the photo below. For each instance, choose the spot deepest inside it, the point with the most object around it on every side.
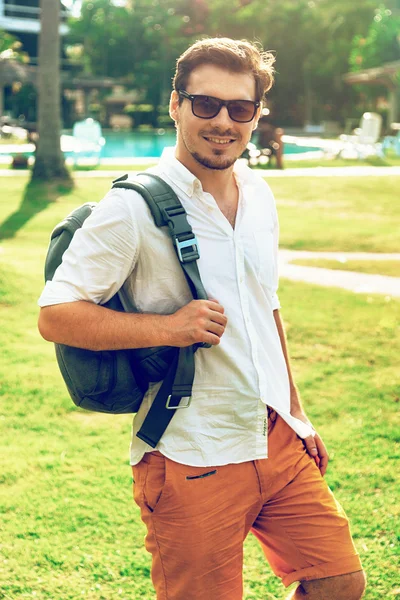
(21, 18)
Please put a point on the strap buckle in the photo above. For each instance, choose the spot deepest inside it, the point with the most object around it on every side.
(168, 404)
(188, 256)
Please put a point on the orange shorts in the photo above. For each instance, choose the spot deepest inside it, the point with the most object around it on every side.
(197, 519)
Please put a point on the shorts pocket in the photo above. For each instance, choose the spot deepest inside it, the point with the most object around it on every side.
(152, 481)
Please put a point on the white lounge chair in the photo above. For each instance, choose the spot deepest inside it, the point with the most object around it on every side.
(364, 142)
(87, 142)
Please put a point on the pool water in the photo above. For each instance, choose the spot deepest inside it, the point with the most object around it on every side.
(137, 144)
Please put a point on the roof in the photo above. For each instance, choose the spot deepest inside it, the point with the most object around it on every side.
(384, 75)
(12, 70)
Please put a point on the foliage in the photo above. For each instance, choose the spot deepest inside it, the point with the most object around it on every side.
(312, 39)
(132, 44)
(380, 45)
(10, 48)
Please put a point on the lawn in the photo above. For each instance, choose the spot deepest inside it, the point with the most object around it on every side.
(390, 268)
(69, 526)
(319, 213)
(345, 214)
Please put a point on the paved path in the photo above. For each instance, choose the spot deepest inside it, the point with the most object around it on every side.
(269, 173)
(348, 280)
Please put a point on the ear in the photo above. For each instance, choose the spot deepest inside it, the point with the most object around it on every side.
(174, 106)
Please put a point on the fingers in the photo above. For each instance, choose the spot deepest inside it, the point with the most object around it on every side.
(215, 305)
(210, 338)
(215, 324)
(310, 445)
(200, 321)
(214, 319)
(316, 449)
(323, 455)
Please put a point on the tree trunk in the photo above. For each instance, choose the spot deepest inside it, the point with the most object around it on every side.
(49, 160)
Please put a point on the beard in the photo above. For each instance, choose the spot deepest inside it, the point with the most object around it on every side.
(215, 164)
(216, 161)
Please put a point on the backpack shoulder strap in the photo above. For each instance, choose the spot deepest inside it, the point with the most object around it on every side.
(62, 235)
(167, 210)
(157, 193)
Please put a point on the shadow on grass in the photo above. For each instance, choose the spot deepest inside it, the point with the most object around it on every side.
(37, 196)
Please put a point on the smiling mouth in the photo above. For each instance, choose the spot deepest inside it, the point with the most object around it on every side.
(219, 141)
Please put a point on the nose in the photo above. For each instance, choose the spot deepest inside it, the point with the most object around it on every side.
(222, 119)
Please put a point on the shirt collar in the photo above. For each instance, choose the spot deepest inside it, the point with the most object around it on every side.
(186, 181)
(177, 172)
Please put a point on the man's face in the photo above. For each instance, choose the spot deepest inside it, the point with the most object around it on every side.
(214, 143)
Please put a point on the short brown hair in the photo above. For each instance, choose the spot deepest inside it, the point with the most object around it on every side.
(239, 56)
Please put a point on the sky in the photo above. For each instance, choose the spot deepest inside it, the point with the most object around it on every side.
(75, 5)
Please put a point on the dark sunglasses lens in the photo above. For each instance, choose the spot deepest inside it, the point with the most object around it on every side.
(241, 110)
(205, 107)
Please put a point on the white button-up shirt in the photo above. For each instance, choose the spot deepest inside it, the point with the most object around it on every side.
(119, 244)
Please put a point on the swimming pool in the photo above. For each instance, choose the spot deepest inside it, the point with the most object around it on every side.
(134, 145)
(138, 144)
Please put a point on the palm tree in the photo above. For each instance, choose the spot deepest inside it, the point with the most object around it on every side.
(49, 160)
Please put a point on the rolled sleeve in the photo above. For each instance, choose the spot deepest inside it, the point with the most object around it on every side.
(100, 257)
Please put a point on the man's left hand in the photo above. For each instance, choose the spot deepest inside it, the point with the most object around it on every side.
(313, 443)
(316, 449)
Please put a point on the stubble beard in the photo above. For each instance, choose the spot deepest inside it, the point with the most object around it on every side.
(209, 162)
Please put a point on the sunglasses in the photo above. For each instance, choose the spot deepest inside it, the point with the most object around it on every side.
(207, 107)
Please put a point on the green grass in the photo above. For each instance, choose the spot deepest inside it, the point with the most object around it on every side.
(390, 268)
(390, 160)
(69, 526)
(328, 214)
(338, 213)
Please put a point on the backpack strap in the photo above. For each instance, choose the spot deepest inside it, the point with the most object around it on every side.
(167, 210)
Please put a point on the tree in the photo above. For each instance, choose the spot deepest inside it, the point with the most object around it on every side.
(132, 43)
(49, 160)
(11, 59)
(312, 40)
(381, 44)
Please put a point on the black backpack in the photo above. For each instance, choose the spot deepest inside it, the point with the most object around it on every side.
(116, 381)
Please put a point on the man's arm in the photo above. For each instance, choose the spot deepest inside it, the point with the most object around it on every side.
(87, 325)
(313, 443)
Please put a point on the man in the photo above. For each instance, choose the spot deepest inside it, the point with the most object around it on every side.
(270, 140)
(209, 481)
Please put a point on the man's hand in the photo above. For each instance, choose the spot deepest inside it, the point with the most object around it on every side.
(313, 443)
(316, 449)
(198, 321)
